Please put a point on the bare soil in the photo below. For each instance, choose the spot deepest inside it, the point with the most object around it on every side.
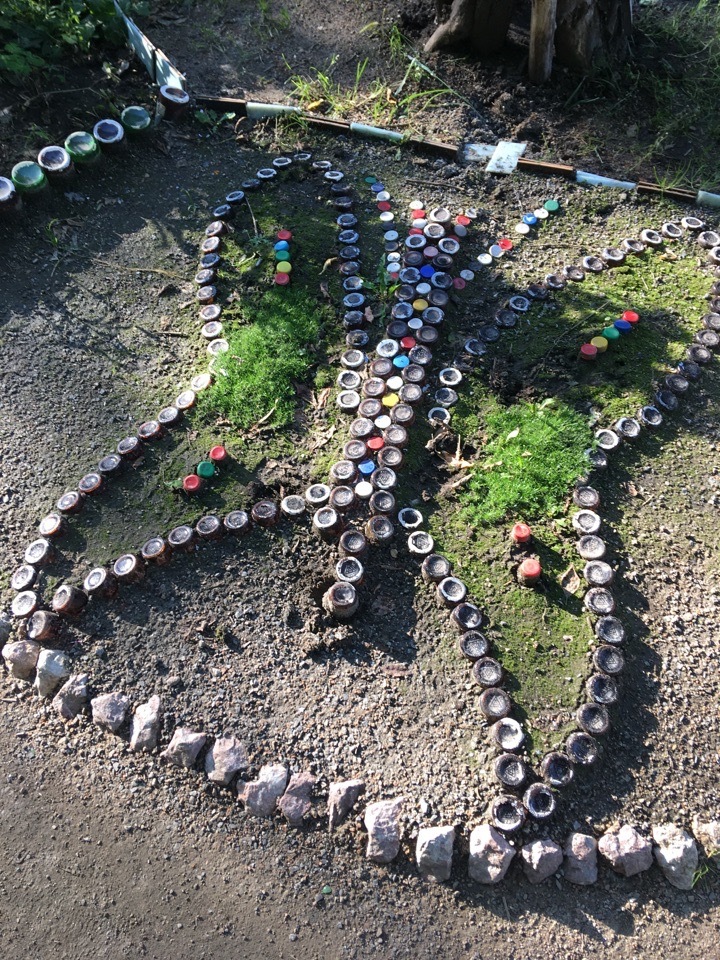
(108, 854)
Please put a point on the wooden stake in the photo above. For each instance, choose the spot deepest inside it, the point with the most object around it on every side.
(542, 38)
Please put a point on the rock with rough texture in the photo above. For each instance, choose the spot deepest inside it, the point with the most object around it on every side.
(227, 757)
(677, 855)
(708, 833)
(295, 803)
(342, 797)
(72, 696)
(541, 859)
(110, 710)
(5, 626)
(184, 747)
(627, 851)
(145, 725)
(434, 851)
(261, 796)
(53, 667)
(581, 859)
(382, 820)
(21, 658)
(490, 855)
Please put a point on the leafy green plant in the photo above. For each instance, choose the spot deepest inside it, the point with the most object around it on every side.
(532, 453)
(38, 34)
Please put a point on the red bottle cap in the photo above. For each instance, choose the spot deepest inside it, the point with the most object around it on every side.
(530, 569)
(463, 220)
(407, 343)
(418, 214)
(375, 443)
(588, 351)
(415, 232)
(505, 244)
(631, 316)
(458, 283)
(521, 533)
(218, 453)
(282, 279)
(192, 483)
(284, 235)
(384, 205)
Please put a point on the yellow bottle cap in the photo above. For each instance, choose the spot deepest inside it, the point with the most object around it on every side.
(390, 399)
(283, 267)
(420, 305)
(600, 343)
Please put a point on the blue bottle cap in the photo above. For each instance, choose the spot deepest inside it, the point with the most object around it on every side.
(281, 245)
(623, 326)
(377, 187)
(427, 270)
(530, 219)
(401, 362)
(366, 467)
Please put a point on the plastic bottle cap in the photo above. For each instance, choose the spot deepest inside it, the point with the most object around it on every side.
(364, 489)
(282, 256)
(401, 362)
(192, 483)
(600, 344)
(552, 206)
(284, 235)
(610, 333)
(384, 205)
(521, 533)
(282, 279)
(366, 467)
(459, 283)
(588, 351)
(407, 343)
(623, 326)
(377, 187)
(205, 469)
(218, 453)
(371, 180)
(390, 399)
(420, 305)
(530, 568)
(463, 220)
(631, 316)
(284, 266)
(375, 443)
(530, 219)
(282, 245)
(505, 244)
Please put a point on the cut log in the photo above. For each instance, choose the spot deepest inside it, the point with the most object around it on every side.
(542, 40)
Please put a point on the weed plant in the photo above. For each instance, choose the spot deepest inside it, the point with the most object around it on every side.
(39, 34)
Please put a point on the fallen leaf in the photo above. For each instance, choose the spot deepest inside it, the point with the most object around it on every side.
(369, 315)
(513, 433)
(570, 581)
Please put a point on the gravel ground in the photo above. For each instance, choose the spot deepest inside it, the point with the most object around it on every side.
(156, 862)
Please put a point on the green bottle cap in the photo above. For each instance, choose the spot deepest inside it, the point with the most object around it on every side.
(552, 206)
(282, 255)
(371, 180)
(82, 147)
(611, 334)
(135, 119)
(28, 177)
(205, 469)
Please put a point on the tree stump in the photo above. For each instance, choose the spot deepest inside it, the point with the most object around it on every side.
(588, 29)
(482, 24)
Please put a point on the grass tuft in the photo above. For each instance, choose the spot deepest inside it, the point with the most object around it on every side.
(256, 377)
(532, 453)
